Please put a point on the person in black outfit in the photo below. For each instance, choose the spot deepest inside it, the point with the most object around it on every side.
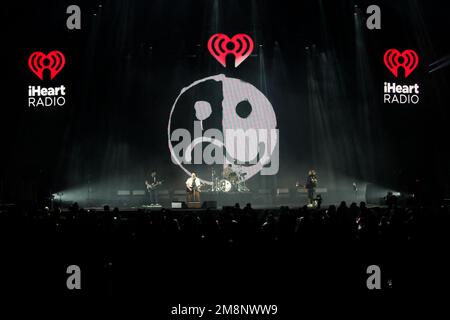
(152, 188)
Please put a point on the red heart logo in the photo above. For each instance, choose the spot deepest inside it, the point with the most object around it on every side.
(220, 45)
(409, 62)
(54, 61)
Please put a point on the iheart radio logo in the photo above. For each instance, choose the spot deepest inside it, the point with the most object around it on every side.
(220, 45)
(408, 59)
(54, 62)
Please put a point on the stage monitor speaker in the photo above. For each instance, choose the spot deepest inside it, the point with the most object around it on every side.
(209, 205)
(194, 205)
(178, 205)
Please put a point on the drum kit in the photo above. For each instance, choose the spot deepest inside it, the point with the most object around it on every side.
(232, 181)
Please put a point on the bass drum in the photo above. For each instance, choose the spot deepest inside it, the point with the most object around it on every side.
(224, 185)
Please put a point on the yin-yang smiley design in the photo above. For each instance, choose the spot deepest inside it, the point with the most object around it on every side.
(221, 120)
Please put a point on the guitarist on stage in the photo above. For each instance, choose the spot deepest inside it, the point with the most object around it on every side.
(193, 188)
(310, 186)
(152, 188)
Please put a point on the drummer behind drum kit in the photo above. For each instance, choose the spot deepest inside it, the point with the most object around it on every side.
(232, 181)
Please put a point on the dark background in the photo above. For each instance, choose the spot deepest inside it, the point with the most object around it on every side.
(124, 69)
(130, 59)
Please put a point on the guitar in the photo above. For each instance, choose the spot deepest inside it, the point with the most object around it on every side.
(194, 188)
(151, 186)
